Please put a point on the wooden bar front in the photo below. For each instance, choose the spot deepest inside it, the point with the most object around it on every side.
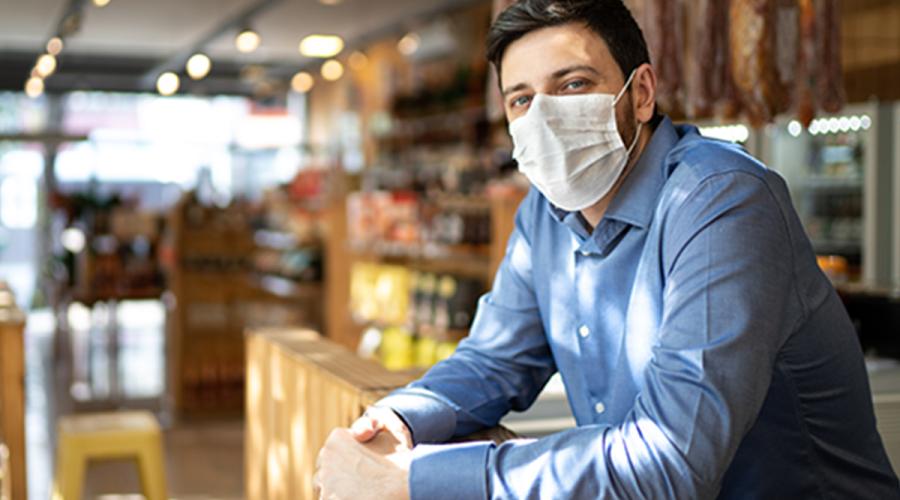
(299, 388)
(12, 394)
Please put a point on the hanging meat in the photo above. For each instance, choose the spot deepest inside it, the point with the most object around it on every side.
(830, 81)
(707, 55)
(728, 106)
(807, 64)
(661, 23)
(764, 39)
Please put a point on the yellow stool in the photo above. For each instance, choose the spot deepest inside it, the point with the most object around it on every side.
(105, 436)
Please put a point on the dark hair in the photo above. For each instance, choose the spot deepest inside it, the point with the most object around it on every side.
(610, 19)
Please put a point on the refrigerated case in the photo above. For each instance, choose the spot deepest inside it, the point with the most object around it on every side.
(839, 174)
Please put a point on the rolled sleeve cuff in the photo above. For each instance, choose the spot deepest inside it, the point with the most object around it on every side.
(450, 471)
(429, 418)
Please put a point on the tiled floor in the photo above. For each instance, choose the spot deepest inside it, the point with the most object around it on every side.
(204, 458)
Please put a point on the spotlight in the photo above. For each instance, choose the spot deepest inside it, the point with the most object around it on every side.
(247, 41)
(409, 44)
(46, 65)
(34, 87)
(302, 82)
(321, 46)
(198, 66)
(332, 70)
(54, 46)
(865, 122)
(167, 83)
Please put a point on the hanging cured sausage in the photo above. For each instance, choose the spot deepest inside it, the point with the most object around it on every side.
(764, 39)
(662, 21)
(705, 63)
(828, 34)
(807, 64)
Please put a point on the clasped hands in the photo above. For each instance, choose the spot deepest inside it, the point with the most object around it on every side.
(370, 460)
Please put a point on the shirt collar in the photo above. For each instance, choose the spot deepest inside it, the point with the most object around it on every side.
(636, 200)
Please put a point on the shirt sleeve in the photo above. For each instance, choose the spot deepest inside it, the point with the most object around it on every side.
(725, 315)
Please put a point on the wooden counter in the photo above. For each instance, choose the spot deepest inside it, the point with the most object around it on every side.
(12, 393)
(299, 388)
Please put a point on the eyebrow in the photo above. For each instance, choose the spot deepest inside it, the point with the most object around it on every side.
(555, 76)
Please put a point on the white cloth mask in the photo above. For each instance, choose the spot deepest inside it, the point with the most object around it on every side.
(569, 147)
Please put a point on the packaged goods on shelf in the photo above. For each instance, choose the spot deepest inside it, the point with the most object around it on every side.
(403, 223)
(421, 315)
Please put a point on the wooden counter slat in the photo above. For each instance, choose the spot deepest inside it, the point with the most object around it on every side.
(12, 392)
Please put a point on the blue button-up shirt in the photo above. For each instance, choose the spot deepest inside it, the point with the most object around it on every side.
(703, 352)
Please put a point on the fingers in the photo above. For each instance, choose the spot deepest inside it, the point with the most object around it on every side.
(365, 428)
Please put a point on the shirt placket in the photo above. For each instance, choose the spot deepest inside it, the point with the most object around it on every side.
(595, 343)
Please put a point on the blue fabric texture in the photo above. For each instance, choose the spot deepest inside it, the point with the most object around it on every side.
(703, 352)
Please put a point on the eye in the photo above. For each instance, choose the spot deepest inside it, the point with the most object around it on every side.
(575, 85)
(520, 101)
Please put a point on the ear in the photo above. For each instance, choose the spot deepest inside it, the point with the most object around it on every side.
(643, 92)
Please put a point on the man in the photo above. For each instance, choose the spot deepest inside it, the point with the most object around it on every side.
(665, 276)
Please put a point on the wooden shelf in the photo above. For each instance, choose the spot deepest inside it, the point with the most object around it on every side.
(468, 260)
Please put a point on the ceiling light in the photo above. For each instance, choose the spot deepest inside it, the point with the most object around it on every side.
(865, 122)
(814, 127)
(101, 3)
(409, 44)
(302, 82)
(322, 46)
(198, 66)
(167, 83)
(358, 61)
(795, 128)
(46, 65)
(34, 87)
(247, 41)
(55, 46)
(330, 2)
(332, 70)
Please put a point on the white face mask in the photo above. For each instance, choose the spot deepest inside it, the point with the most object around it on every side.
(569, 147)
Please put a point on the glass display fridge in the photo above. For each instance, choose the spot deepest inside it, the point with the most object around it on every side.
(839, 173)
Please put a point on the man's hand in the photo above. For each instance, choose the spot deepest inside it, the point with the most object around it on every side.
(349, 470)
(378, 419)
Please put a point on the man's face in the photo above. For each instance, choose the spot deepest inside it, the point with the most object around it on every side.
(562, 60)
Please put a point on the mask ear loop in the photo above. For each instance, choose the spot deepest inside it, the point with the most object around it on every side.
(624, 87)
(637, 133)
(634, 142)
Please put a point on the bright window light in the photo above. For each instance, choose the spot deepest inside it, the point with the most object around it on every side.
(18, 202)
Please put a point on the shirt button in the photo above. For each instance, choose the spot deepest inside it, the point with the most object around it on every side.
(599, 408)
(584, 331)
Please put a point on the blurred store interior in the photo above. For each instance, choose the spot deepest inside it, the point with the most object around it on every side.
(189, 189)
